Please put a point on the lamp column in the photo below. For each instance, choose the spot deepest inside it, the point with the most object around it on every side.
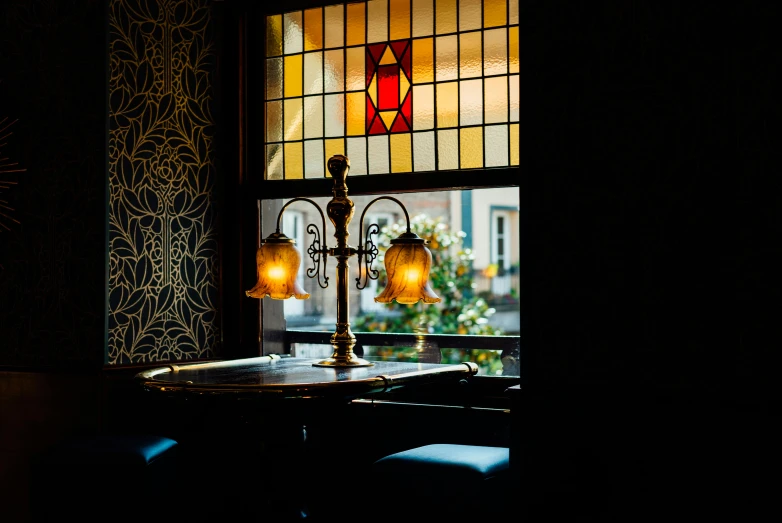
(340, 211)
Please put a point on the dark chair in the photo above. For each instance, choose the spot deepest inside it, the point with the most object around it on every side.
(444, 481)
(106, 477)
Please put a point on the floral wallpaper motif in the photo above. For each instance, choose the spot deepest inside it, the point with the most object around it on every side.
(163, 246)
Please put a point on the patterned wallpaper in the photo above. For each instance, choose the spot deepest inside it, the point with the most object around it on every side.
(163, 244)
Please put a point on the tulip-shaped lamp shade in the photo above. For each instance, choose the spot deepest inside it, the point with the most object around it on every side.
(407, 264)
(278, 264)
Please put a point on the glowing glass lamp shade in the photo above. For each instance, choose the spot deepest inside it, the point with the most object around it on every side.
(407, 264)
(278, 264)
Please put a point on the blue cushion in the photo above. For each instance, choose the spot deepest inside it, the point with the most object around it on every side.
(118, 449)
(455, 462)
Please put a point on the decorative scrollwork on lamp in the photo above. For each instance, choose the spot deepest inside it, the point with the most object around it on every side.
(407, 264)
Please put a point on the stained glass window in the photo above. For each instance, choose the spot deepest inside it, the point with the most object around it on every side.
(398, 86)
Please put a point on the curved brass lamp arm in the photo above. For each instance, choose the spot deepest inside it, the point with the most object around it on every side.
(370, 250)
(315, 248)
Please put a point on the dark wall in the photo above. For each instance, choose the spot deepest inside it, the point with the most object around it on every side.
(651, 246)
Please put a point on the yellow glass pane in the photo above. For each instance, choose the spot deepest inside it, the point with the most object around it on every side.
(423, 151)
(356, 105)
(496, 109)
(514, 95)
(356, 60)
(388, 117)
(314, 165)
(357, 152)
(356, 28)
(274, 35)
(273, 162)
(445, 21)
(469, 14)
(294, 164)
(293, 119)
(335, 20)
(445, 60)
(423, 17)
(293, 75)
(495, 52)
(400, 19)
(448, 149)
(514, 144)
(470, 148)
(332, 147)
(423, 108)
(470, 55)
(423, 61)
(470, 102)
(377, 21)
(493, 13)
(313, 29)
(313, 73)
(313, 117)
(495, 147)
(291, 32)
(401, 153)
(513, 55)
(447, 105)
(273, 78)
(513, 10)
(274, 121)
(334, 71)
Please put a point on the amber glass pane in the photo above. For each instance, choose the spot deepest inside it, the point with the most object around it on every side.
(401, 153)
(446, 56)
(469, 14)
(356, 27)
(274, 121)
(293, 75)
(378, 154)
(313, 73)
(493, 13)
(496, 145)
(274, 161)
(513, 56)
(471, 147)
(400, 19)
(513, 9)
(291, 32)
(357, 152)
(335, 115)
(356, 58)
(273, 78)
(447, 105)
(293, 121)
(496, 109)
(335, 29)
(335, 146)
(495, 53)
(423, 61)
(356, 113)
(471, 58)
(294, 165)
(313, 159)
(313, 117)
(423, 19)
(377, 21)
(448, 149)
(274, 35)
(514, 144)
(423, 109)
(334, 71)
(445, 21)
(470, 102)
(514, 94)
(423, 151)
(313, 29)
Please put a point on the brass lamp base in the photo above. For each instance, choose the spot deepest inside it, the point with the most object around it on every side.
(350, 360)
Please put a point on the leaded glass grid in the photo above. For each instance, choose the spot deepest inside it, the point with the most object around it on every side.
(398, 86)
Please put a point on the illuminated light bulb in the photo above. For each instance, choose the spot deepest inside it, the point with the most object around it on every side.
(278, 265)
(407, 264)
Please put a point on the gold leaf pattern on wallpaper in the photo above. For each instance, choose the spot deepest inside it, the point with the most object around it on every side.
(163, 243)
